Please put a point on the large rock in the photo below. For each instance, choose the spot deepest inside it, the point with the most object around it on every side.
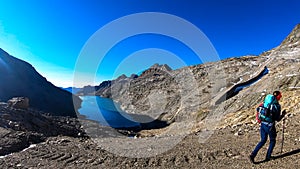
(20, 128)
(19, 102)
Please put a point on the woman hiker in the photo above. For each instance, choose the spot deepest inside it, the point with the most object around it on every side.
(267, 128)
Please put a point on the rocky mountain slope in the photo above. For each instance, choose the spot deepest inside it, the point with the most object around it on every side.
(284, 66)
(20, 79)
(206, 129)
(188, 93)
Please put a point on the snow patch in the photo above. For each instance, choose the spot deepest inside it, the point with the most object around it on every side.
(253, 63)
(4, 156)
(31, 146)
(290, 75)
(222, 89)
(241, 79)
(296, 87)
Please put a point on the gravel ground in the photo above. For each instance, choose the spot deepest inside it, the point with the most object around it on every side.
(224, 149)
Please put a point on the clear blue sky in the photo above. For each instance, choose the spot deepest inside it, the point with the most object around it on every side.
(50, 34)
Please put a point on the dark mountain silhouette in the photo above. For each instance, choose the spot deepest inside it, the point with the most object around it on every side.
(19, 78)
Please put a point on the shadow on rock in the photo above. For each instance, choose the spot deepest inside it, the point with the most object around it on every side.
(145, 123)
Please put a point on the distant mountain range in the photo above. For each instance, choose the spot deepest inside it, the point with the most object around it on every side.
(19, 79)
(72, 90)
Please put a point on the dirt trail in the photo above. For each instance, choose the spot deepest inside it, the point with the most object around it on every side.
(224, 149)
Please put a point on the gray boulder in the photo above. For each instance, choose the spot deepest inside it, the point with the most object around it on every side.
(19, 102)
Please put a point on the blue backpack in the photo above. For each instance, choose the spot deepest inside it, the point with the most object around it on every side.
(265, 109)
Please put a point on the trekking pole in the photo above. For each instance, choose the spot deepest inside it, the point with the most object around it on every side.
(282, 135)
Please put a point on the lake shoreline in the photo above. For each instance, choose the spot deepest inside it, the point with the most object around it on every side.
(106, 112)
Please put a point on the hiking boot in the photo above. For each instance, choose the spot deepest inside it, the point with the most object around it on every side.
(251, 158)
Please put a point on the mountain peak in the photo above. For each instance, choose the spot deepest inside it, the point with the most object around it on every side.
(290, 43)
(164, 67)
(156, 69)
(293, 38)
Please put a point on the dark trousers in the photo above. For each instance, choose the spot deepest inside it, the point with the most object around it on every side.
(266, 130)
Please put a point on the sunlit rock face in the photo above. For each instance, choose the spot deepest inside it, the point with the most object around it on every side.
(181, 94)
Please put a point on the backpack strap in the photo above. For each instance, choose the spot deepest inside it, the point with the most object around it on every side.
(274, 98)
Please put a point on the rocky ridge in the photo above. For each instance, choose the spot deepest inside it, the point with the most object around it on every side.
(183, 95)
